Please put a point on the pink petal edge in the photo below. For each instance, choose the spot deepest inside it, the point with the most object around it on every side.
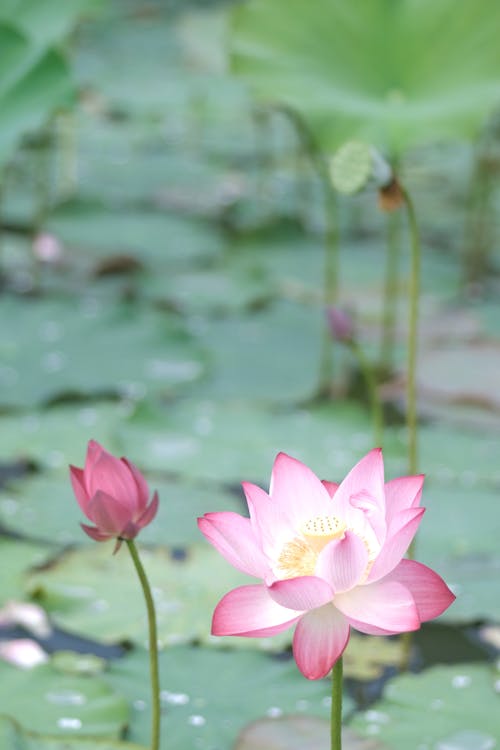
(319, 640)
(250, 611)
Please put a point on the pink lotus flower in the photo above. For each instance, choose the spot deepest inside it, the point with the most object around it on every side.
(330, 557)
(113, 494)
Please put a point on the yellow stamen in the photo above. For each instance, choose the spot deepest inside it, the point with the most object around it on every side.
(298, 556)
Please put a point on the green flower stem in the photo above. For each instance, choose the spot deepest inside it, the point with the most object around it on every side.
(331, 237)
(411, 397)
(414, 291)
(153, 646)
(390, 292)
(371, 385)
(336, 708)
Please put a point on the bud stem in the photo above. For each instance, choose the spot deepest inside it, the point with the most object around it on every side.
(153, 645)
(336, 708)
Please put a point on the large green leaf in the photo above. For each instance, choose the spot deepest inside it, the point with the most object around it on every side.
(393, 73)
(48, 701)
(13, 737)
(44, 507)
(208, 696)
(84, 591)
(45, 21)
(446, 708)
(16, 557)
(54, 347)
(26, 105)
(58, 436)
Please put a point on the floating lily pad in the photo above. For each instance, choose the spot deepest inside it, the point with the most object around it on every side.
(128, 350)
(297, 733)
(16, 557)
(233, 442)
(45, 700)
(25, 71)
(44, 507)
(208, 696)
(158, 240)
(58, 436)
(442, 708)
(13, 737)
(84, 591)
(45, 21)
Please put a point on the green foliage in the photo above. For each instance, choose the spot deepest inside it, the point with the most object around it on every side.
(34, 82)
(50, 702)
(394, 74)
(46, 22)
(452, 707)
(13, 737)
(203, 712)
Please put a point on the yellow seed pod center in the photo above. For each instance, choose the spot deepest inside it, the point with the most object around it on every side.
(320, 530)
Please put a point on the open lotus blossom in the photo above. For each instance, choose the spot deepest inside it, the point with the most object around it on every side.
(330, 557)
(113, 494)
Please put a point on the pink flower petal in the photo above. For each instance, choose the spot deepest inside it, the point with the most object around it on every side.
(386, 606)
(343, 561)
(431, 594)
(331, 487)
(399, 535)
(150, 512)
(78, 484)
(232, 535)
(319, 640)
(250, 611)
(297, 491)
(95, 534)
(271, 527)
(110, 514)
(402, 493)
(365, 480)
(302, 593)
(142, 485)
(103, 472)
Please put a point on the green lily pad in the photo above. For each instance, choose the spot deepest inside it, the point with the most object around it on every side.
(13, 737)
(43, 356)
(372, 71)
(234, 441)
(297, 732)
(157, 240)
(44, 507)
(209, 696)
(45, 21)
(442, 708)
(33, 84)
(58, 436)
(45, 700)
(84, 590)
(16, 557)
(257, 357)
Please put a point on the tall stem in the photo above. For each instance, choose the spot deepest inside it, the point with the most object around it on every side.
(390, 292)
(331, 238)
(336, 708)
(414, 291)
(371, 385)
(153, 646)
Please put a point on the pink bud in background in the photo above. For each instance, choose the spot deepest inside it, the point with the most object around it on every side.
(47, 248)
(113, 494)
(341, 324)
(23, 652)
